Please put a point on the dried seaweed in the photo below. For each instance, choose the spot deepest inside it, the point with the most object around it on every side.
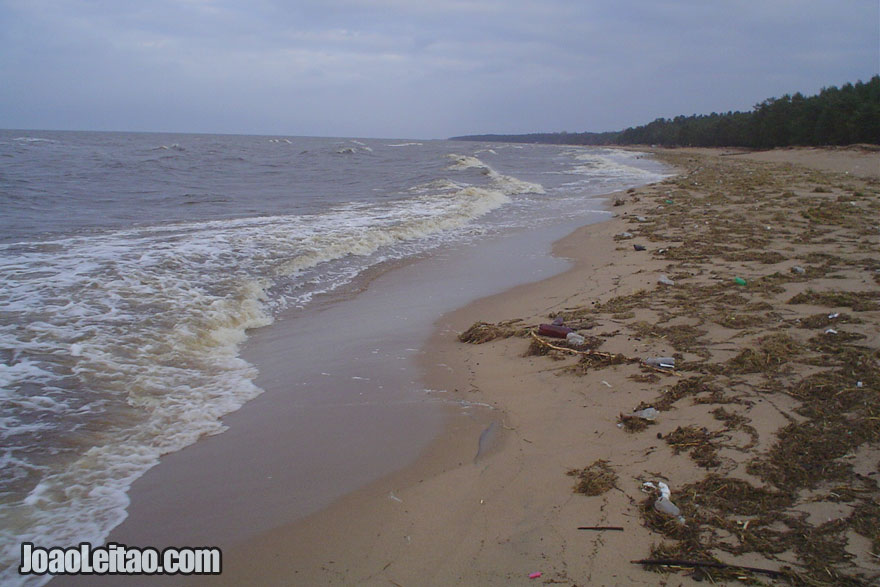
(482, 332)
(858, 301)
(771, 352)
(596, 479)
(698, 441)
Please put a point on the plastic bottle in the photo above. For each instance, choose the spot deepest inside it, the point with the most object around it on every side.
(646, 414)
(661, 362)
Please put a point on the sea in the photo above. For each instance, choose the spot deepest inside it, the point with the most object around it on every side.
(134, 266)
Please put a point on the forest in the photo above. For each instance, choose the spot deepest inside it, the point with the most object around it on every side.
(835, 116)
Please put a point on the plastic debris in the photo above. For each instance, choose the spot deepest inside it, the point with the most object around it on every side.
(575, 338)
(641, 219)
(554, 330)
(625, 235)
(740, 281)
(646, 414)
(534, 575)
(830, 331)
(661, 362)
(798, 270)
(665, 280)
(639, 247)
(663, 504)
(834, 315)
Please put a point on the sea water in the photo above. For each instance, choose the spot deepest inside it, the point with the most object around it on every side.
(133, 266)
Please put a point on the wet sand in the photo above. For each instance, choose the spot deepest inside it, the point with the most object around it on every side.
(746, 415)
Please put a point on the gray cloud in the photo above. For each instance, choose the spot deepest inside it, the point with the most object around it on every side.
(407, 68)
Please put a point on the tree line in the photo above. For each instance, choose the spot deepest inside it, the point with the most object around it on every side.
(835, 116)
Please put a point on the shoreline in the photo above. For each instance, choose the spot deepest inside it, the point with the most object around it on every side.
(453, 518)
(356, 398)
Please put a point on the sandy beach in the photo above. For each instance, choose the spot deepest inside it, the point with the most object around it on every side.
(766, 432)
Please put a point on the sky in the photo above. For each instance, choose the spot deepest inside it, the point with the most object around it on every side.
(416, 68)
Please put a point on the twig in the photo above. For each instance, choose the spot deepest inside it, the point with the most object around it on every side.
(599, 528)
(599, 354)
(568, 350)
(671, 562)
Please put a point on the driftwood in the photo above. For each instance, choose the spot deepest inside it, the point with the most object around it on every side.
(671, 562)
(571, 350)
(600, 528)
(597, 354)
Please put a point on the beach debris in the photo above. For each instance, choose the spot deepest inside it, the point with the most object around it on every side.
(663, 504)
(665, 280)
(830, 331)
(601, 528)
(660, 362)
(649, 414)
(554, 330)
(798, 270)
(834, 315)
(394, 497)
(596, 479)
(669, 562)
(482, 332)
(639, 247)
(535, 575)
(619, 202)
(638, 420)
(575, 338)
(625, 235)
(597, 358)
(740, 281)
(641, 219)
(606, 384)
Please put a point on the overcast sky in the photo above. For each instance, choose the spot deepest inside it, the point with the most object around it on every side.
(416, 68)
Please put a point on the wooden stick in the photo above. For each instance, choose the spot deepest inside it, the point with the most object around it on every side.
(599, 528)
(568, 350)
(671, 562)
(597, 354)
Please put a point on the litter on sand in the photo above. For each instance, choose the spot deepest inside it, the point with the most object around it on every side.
(661, 362)
(663, 504)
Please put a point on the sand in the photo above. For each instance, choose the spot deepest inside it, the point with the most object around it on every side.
(767, 432)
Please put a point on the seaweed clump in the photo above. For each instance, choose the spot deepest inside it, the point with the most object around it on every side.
(770, 353)
(858, 301)
(596, 479)
(482, 332)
